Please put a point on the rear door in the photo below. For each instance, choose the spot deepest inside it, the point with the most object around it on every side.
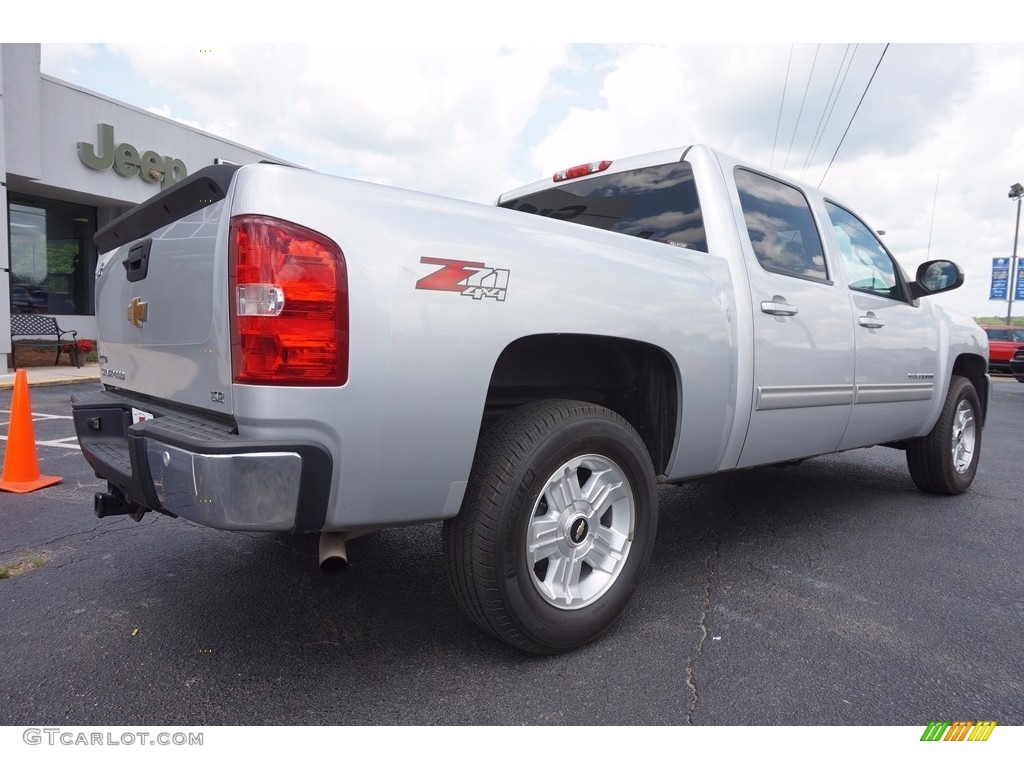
(803, 339)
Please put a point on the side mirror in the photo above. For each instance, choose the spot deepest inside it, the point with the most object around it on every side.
(936, 277)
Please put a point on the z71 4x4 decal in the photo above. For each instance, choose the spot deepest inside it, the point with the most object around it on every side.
(469, 278)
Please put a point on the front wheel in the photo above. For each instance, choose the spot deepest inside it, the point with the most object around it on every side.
(556, 527)
(946, 459)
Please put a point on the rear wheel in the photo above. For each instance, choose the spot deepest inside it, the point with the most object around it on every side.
(556, 528)
(946, 459)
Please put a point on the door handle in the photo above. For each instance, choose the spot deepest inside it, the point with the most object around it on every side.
(870, 321)
(778, 307)
(137, 263)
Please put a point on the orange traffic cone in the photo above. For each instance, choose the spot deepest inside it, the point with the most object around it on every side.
(21, 470)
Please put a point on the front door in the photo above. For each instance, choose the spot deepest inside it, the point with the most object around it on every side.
(897, 342)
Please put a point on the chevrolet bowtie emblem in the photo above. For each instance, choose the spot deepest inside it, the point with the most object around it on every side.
(137, 311)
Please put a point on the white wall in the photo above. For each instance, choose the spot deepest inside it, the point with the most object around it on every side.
(5, 256)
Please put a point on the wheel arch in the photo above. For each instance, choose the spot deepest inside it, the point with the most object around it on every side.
(636, 380)
(973, 368)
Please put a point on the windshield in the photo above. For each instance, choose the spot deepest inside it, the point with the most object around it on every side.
(1006, 334)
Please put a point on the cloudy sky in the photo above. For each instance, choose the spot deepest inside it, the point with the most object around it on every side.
(929, 156)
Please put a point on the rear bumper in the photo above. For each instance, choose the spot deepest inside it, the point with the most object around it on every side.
(196, 467)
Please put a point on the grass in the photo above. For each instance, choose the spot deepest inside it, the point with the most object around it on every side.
(22, 566)
(998, 320)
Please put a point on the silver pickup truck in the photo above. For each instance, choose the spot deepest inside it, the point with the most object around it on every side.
(283, 350)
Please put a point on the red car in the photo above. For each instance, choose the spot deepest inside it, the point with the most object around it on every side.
(1003, 341)
(1017, 364)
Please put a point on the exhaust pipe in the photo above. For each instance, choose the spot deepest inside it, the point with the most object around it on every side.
(333, 556)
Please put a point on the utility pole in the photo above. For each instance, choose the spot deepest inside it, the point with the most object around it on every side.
(1016, 193)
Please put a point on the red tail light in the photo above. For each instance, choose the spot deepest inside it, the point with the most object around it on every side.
(289, 305)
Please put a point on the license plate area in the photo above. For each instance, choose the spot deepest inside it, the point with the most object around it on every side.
(139, 416)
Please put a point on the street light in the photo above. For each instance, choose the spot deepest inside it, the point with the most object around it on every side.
(1016, 193)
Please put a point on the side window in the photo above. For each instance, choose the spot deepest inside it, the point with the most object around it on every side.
(869, 267)
(780, 226)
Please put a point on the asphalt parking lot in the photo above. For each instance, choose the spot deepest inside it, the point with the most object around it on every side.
(828, 593)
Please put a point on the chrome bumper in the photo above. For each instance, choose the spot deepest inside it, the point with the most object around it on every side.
(195, 466)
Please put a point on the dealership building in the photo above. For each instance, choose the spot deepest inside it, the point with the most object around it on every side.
(71, 161)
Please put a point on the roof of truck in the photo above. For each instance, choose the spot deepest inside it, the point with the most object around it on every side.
(660, 157)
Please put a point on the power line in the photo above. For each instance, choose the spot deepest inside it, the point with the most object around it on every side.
(866, 87)
(782, 103)
(803, 101)
(931, 227)
(830, 104)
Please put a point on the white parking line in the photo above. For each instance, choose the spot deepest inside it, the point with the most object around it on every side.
(60, 443)
(41, 416)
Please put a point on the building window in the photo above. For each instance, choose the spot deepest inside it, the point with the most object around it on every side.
(52, 256)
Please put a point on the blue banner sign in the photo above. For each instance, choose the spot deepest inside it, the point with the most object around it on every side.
(1001, 279)
(1019, 293)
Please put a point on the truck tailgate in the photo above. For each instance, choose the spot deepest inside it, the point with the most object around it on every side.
(162, 297)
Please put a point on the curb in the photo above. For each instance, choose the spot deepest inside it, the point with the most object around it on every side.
(51, 382)
(49, 377)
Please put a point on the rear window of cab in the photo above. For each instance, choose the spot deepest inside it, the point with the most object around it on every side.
(656, 203)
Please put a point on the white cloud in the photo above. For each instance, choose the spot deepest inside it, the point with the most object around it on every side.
(165, 111)
(473, 120)
(68, 61)
(432, 118)
(973, 147)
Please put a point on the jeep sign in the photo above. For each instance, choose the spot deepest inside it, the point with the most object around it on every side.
(128, 161)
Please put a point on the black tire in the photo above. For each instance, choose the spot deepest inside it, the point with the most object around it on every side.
(957, 433)
(525, 463)
(1020, 379)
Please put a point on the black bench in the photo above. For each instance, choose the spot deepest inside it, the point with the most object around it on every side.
(43, 325)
